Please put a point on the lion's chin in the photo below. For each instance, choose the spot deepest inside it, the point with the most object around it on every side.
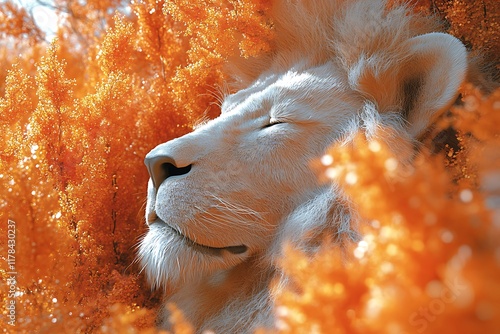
(170, 258)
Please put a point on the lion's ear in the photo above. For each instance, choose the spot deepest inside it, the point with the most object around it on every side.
(423, 82)
(437, 68)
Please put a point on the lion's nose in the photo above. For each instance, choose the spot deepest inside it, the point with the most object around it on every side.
(161, 167)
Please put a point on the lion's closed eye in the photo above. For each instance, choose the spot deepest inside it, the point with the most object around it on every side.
(273, 122)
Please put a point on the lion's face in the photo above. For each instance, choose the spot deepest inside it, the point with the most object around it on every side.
(241, 183)
(223, 199)
(241, 174)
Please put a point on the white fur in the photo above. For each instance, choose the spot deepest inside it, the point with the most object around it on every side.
(338, 68)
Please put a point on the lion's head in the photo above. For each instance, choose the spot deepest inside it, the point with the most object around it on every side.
(225, 196)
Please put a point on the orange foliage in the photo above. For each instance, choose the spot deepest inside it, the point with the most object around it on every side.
(79, 114)
(429, 255)
(15, 22)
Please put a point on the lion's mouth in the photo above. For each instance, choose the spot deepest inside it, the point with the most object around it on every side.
(217, 251)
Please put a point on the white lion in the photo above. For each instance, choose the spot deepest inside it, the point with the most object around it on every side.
(223, 199)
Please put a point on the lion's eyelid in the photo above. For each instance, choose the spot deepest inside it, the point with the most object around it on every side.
(273, 122)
